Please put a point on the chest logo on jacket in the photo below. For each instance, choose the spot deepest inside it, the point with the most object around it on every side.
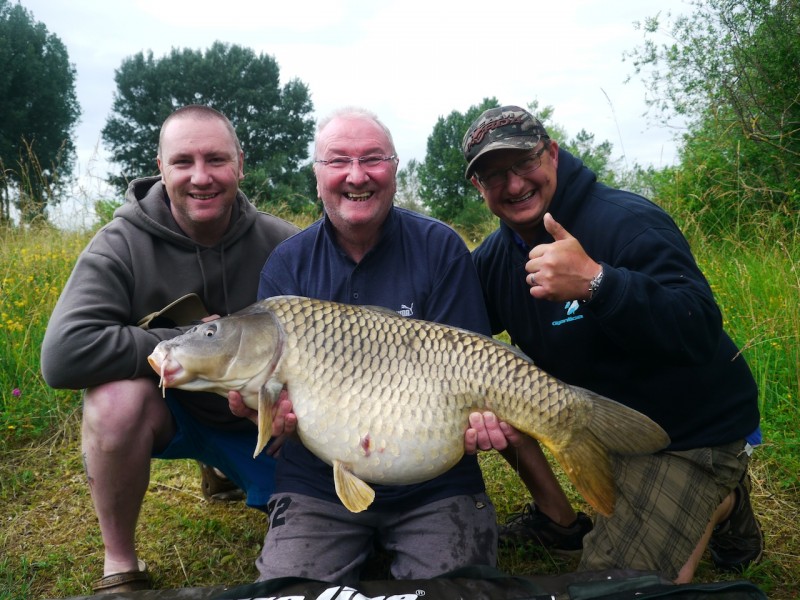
(571, 308)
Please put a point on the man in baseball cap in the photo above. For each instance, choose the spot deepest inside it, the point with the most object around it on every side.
(599, 288)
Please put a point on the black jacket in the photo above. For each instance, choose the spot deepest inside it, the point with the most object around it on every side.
(651, 337)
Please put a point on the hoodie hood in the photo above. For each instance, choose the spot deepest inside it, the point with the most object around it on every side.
(575, 181)
(146, 207)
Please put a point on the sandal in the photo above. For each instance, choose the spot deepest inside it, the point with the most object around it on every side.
(129, 581)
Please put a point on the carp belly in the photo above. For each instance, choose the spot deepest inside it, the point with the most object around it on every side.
(388, 451)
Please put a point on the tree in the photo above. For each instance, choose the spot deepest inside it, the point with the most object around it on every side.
(38, 108)
(595, 156)
(407, 194)
(444, 190)
(730, 70)
(274, 124)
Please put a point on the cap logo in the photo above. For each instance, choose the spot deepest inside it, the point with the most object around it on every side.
(480, 132)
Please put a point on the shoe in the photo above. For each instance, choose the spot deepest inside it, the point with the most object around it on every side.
(130, 581)
(533, 527)
(738, 541)
(216, 487)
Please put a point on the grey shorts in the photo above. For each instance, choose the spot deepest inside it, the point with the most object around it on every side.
(322, 540)
(664, 503)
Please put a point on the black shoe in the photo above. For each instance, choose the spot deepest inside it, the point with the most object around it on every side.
(533, 527)
(738, 541)
(217, 487)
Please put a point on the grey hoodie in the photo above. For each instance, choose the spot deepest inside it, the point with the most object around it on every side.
(136, 265)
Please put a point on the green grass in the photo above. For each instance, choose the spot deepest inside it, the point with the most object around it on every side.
(50, 545)
(35, 265)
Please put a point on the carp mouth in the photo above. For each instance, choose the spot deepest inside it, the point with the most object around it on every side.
(170, 370)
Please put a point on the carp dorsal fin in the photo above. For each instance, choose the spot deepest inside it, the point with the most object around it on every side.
(380, 309)
(513, 350)
(355, 494)
(253, 309)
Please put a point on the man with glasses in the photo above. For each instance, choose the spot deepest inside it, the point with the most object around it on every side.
(599, 287)
(367, 251)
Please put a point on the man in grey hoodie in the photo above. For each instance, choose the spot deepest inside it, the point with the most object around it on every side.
(189, 231)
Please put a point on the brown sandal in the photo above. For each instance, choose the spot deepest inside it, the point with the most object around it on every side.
(130, 581)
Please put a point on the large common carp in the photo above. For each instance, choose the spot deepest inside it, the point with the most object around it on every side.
(385, 399)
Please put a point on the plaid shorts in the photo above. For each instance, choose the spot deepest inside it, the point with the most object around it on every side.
(664, 503)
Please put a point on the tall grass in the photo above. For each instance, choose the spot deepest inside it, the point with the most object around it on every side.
(49, 541)
(758, 288)
(35, 265)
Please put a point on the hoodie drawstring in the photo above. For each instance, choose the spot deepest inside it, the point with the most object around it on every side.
(205, 280)
(202, 274)
(224, 280)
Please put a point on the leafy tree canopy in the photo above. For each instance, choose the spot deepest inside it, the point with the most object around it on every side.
(444, 190)
(38, 111)
(730, 70)
(273, 122)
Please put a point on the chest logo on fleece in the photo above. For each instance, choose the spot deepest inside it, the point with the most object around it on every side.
(571, 307)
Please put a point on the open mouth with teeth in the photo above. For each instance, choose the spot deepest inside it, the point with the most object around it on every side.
(358, 197)
(202, 196)
(522, 198)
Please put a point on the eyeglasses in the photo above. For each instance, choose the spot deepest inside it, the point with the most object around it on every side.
(522, 167)
(369, 163)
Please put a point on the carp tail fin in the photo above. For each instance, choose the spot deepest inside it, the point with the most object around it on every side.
(612, 428)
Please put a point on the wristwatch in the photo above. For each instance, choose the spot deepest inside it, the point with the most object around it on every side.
(594, 285)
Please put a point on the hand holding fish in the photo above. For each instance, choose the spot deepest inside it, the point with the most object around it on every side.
(240, 409)
(487, 432)
(561, 270)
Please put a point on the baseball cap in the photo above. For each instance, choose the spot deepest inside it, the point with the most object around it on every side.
(507, 127)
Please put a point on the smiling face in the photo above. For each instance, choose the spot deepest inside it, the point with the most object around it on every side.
(357, 199)
(201, 167)
(520, 201)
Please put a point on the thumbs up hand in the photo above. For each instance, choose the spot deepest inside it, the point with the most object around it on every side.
(561, 270)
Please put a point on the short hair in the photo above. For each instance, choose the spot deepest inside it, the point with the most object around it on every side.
(354, 112)
(199, 111)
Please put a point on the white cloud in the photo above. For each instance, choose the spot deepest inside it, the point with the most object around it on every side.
(308, 16)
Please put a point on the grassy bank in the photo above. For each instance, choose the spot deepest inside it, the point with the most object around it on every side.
(49, 541)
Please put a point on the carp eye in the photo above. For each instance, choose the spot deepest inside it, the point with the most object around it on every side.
(210, 331)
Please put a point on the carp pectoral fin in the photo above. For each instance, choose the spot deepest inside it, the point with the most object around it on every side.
(355, 494)
(264, 420)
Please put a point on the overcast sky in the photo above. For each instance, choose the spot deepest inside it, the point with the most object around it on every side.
(411, 61)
